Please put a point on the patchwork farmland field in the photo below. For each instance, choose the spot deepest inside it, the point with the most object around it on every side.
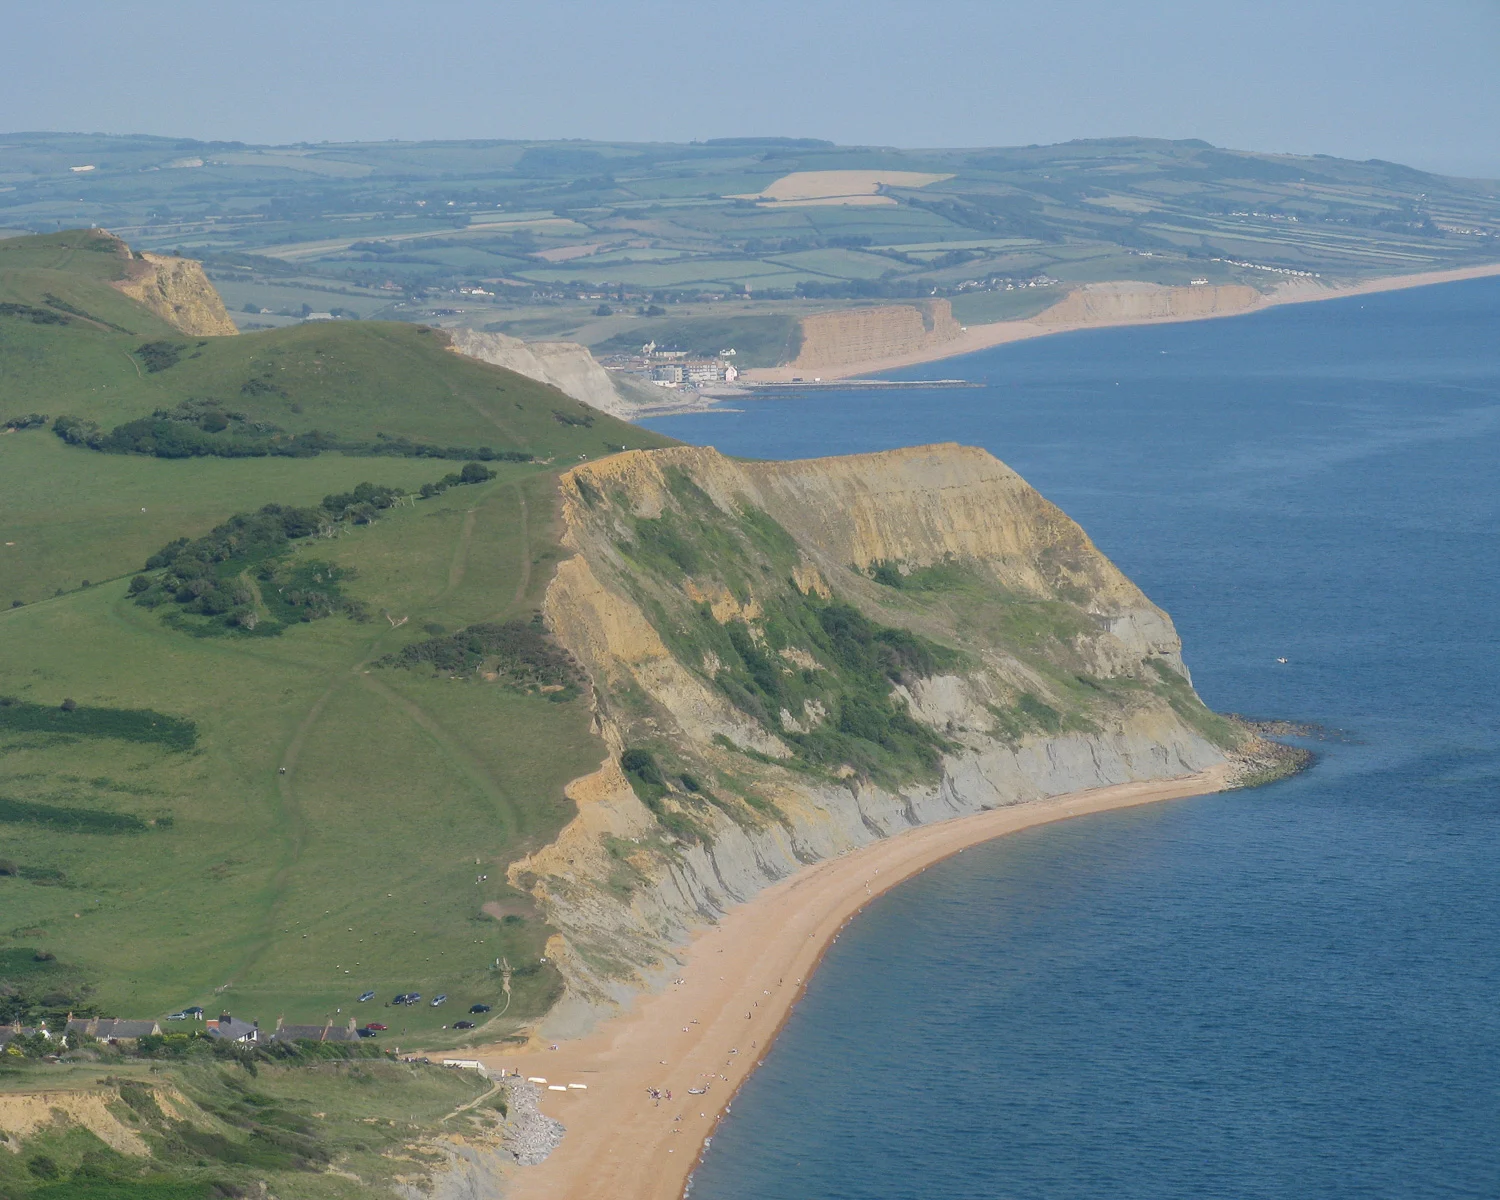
(518, 235)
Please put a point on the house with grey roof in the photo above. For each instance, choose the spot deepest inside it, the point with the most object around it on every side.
(232, 1029)
(326, 1032)
(8, 1033)
(112, 1029)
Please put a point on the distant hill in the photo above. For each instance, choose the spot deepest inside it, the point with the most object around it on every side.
(579, 240)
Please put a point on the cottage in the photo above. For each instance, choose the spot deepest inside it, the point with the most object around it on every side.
(228, 1028)
(326, 1032)
(8, 1033)
(112, 1029)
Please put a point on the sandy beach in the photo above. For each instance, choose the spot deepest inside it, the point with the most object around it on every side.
(983, 337)
(709, 1028)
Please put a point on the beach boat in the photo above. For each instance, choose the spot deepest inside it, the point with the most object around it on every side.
(696, 1091)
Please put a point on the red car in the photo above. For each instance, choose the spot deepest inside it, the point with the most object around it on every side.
(375, 1026)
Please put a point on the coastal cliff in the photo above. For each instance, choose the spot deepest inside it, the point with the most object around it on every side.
(854, 335)
(1124, 303)
(794, 659)
(177, 291)
(567, 366)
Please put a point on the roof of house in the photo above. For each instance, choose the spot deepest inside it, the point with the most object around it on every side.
(233, 1029)
(327, 1032)
(113, 1027)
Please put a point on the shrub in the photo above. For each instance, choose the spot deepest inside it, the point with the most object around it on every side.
(521, 651)
(28, 312)
(206, 577)
(204, 428)
(160, 356)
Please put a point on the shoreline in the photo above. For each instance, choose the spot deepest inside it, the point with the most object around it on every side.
(716, 1019)
(985, 337)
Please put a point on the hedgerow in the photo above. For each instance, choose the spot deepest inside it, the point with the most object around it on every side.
(239, 577)
(127, 724)
(74, 820)
(206, 429)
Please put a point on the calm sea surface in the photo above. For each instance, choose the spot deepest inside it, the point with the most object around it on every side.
(1292, 992)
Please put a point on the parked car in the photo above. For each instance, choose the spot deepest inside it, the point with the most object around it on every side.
(182, 1016)
(367, 996)
(463, 1024)
(407, 998)
(365, 1033)
(442, 999)
(477, 1008)
(377, 1026)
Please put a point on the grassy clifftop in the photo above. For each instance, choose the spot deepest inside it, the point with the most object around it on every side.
(328, 825)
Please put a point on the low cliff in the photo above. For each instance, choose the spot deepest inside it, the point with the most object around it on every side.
(792, 659)
(859, 335)
(177, 291)
(567, 366)
(1122, 303)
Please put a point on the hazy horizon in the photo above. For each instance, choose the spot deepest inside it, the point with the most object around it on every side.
(1355, 81)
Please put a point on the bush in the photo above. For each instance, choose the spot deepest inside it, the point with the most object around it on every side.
(521, 651)
(28, 312)
(43, 1167)
(205, 577)
(204, 428)
(160, 356)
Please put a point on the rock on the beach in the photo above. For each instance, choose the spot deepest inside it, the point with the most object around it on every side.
(528, 1135)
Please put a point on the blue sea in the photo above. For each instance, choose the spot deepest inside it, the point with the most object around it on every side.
(1292, 992)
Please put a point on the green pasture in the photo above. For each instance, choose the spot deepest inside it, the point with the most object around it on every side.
(980, 308)
(359, 867)
(336, 826)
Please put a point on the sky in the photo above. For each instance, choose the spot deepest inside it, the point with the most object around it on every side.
(1394, 79)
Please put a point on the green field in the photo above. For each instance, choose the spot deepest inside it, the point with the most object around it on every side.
(394, 230)
(376, 859)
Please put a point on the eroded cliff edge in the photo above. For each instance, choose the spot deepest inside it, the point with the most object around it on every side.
(177, 291)
(793, 659)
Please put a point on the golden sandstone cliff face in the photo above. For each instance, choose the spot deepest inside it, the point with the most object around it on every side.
(855, 335)
(177, 291)
(1060, 675)
(1120, 303)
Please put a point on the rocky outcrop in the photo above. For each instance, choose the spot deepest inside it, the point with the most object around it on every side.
(1057, 674)
(1123, 303)
(567, 366)
(859, 335)
(177, 291)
